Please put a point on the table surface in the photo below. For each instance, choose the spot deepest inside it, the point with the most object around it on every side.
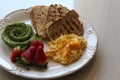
(104, 15)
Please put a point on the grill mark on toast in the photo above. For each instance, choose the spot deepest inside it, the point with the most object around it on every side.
(65, 25)
(68, 18)
(62, 13)
(51, 17)
(75, 20)
(62, 28)
(75, 29)
(78, 25)
(72, 25)
(69, 28)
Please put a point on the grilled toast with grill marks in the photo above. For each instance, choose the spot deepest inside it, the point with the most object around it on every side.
(69, 24)
(55, 12)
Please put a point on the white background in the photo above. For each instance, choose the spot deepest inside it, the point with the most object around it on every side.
(104, 15)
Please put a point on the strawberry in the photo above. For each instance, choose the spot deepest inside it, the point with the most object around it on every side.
(40, 57)
(28, 55)
(16, 53)
(36, 43)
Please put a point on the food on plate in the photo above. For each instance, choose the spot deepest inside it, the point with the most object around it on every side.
(18, 34)
(36, 43)
(33, 56)
(55, 12)
(55, 20)
(27, 49)
(67, 48)
(40, 57)
(69, 24)
(28, 55)
(38, 16)
(43, 16)
(16, 53)
(56, 23)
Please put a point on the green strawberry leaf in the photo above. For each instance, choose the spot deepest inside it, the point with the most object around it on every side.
(23, 64)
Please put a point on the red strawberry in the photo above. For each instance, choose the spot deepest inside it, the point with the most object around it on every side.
(28, 55)
(40, 57)
(36, 43)
(16, 53)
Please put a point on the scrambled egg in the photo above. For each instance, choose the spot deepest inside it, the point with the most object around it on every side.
(67, 48)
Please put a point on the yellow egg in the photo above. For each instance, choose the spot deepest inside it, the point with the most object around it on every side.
(67, 48)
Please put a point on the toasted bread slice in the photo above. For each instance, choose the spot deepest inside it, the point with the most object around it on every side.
(55, 12)
(69, 24)
(38, 16)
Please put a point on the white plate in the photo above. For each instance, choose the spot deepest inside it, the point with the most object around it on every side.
(54, 69)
